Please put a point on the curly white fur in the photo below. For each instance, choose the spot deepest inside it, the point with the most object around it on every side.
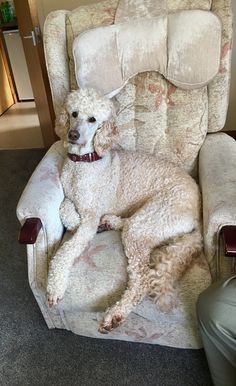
(154, 203)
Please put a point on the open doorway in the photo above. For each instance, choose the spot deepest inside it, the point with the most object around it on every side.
(19, 122)
(31, 40)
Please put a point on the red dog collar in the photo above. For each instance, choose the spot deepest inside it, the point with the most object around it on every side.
(89, 157)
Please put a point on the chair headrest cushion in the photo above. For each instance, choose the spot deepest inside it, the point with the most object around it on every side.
(184, 47)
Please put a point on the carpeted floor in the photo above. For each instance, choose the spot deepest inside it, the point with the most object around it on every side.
(32, 355)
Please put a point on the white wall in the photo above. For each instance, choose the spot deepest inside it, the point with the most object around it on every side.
(46, 6)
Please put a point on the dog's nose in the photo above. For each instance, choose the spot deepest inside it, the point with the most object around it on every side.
(73, 135)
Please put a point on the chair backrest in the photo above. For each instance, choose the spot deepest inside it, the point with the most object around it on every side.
(155, 116)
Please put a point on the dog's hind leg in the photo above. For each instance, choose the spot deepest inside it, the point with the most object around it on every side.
(138, 258)
(152, 225)
(138, 243)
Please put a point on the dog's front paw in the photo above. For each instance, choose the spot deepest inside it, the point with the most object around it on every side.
(70, 218)
(110, 221)
(53, 300)
(54, 295)
(110, 322)
(55, 290)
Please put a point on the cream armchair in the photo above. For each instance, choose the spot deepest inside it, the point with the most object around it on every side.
(155, 116)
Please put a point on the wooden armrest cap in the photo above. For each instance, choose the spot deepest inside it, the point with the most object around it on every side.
(30, 230)
(229, 240)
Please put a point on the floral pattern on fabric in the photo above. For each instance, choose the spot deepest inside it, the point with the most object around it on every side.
(155, 115)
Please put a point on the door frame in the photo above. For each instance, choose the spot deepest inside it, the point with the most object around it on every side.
(6, 61)
(28, 24)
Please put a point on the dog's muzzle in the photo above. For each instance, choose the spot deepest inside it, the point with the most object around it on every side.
(73, 135)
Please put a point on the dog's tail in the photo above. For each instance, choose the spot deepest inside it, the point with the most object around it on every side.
(170, 261)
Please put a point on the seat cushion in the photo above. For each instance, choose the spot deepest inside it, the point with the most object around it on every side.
(98, 276)
(98, 279)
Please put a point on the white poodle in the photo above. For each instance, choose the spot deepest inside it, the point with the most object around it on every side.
(155, 203)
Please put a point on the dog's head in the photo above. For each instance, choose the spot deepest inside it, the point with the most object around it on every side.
(87, 123)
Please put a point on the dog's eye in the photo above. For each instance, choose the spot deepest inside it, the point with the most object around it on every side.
(75, 114)
(91, 119)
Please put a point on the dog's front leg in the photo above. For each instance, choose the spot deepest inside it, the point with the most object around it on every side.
(66, 254)
(69, 216)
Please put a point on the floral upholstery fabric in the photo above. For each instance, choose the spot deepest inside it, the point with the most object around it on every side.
(154, 119)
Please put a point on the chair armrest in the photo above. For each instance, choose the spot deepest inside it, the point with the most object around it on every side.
(29, 231)
(42, 197)
(229, 240)
(217, 177)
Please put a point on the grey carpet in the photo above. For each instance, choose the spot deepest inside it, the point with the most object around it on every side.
(30, 354)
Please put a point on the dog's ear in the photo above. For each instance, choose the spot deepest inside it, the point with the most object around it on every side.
(62, 123)
(106, 136)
